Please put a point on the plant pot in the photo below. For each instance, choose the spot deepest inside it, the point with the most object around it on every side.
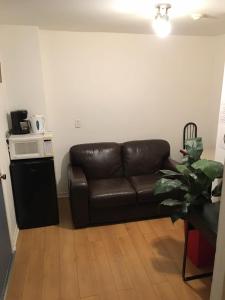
(200, 251)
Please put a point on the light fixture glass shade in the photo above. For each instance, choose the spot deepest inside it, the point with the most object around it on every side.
(162, 26)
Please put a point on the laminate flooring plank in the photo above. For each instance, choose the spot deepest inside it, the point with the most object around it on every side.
(20, 265)
(91, 298)
(162, 226)
(69, 288)
(201, 287)
(106, 284)
(94, 233)
(86, 269)
(51, 283)
(174, 245)
(116, 260)
(146, 228)
(168, 251)
(128, 295)
(136, 261)
(145, 253)
(165, 291)
(137, 273)
(33, 287)
(117, 230)
(180, 288)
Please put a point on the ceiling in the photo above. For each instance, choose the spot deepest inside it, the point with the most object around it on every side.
(131, 16)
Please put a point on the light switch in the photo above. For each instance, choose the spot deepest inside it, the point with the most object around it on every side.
(77, 123)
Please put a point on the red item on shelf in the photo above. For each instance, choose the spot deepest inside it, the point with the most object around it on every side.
(200, 251)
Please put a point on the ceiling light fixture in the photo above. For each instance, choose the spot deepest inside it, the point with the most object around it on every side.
(161, 24)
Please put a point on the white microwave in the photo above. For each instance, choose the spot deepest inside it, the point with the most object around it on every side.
(28, 146)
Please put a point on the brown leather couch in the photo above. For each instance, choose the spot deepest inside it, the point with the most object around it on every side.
(111, 182)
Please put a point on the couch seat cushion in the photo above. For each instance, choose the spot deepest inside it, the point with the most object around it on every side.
(111, 192)
(144, 187)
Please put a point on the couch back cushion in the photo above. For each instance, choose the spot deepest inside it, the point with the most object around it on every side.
(98, 160)
(144, 157)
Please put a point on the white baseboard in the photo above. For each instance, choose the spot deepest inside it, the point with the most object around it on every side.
(14, 239)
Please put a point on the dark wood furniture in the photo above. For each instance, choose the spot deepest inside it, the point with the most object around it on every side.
(189, 132)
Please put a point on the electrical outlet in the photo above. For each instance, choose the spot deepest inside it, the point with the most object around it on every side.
(77, 123)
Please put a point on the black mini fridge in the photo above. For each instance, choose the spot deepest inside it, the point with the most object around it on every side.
(34, 191)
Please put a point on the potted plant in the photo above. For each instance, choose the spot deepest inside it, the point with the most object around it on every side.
(193, 179)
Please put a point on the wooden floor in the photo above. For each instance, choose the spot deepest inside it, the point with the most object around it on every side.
(138, 260)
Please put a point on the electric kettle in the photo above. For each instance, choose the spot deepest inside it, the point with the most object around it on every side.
(38, 123)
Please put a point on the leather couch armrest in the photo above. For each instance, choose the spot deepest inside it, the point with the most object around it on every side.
(78, 194)
(170, 164)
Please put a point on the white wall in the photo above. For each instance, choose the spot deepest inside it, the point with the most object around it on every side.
(22, 88)
(121, 86)
(23, 70)
(127, 86)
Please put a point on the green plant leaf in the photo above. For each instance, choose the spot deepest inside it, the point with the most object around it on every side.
(165, 185)
(193, 176)
(194, 148)
(193, 186)
(185, 160)
(171, 202)
(212, 169)
(198, 182)
(183, 169)
(170, 173)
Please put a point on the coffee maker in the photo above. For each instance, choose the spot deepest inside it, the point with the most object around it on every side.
(20, 124)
